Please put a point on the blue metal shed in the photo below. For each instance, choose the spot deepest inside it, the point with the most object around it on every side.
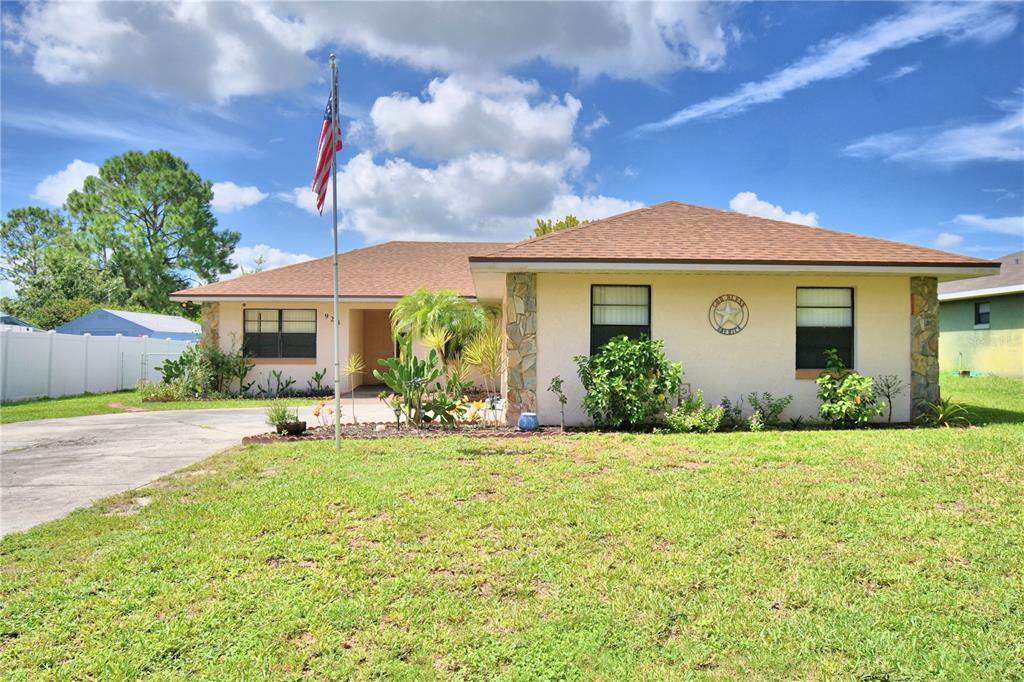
(107, 322)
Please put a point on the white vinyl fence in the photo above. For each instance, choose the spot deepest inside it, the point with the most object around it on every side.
(41, 364)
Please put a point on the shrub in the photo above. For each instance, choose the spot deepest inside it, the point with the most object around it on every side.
(693, 415)
(279, 414)
(768, 409)
(847, 398)
(944, 412)
(628, 382)
(732, 415)
(202, 370)
(163, 393)
(409, 379)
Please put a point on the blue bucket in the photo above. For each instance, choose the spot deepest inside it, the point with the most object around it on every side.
(528, 422)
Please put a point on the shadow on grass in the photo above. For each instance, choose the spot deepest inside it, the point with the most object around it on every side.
(981, 416)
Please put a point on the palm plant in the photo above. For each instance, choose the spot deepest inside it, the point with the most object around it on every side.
(485, 351)
(416, 314)
(353, 367)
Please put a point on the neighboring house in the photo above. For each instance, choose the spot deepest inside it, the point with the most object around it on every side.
(8, 321)
(982, 322)
(747, 304)
(107, 322)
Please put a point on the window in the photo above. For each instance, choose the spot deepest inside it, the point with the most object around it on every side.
(274, 333)
(618, 311)
(824, 319)
(982, 315)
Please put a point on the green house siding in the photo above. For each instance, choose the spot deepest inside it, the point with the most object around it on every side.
(996, 350)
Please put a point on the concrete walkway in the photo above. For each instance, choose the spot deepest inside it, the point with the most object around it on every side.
(50, 467)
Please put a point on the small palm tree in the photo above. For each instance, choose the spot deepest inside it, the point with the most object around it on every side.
(354, 367)
(421, 311)
(485, 352)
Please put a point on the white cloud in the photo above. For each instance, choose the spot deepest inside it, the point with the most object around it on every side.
(479, 196)
(246, 257)
(948, 240)
(216, 50)
(229, 197)
(846, 54)
(949, 145)
(461, 116)
(1009, 225)
(600, 122)
(748, 202)
(900, 72)
(54, 189)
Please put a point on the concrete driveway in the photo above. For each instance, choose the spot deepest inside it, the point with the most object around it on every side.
(50, 467)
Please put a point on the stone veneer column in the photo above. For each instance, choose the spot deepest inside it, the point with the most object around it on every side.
(924, 342)
(521, 344)
(211, 324)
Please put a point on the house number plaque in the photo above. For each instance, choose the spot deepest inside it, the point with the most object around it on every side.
(728, 314)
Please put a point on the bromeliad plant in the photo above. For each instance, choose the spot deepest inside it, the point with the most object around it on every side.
(628, 382)
(847, 398)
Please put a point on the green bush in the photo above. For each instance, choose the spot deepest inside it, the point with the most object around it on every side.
(628, 382)
(768, 409)
(204, 370)
(163, 393)
(847, 398)
(693, 415)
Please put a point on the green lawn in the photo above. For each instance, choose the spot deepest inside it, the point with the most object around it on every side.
(109, 403)
(853, 555)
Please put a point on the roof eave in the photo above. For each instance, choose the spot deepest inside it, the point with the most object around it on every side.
(982, 293)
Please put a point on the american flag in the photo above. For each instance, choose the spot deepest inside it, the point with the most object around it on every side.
(329, 143)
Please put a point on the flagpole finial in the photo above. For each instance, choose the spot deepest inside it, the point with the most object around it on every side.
(332, 57)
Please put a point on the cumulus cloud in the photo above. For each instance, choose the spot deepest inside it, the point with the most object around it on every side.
(949, 145)
(215, 50)
(749, 203)
(229, 197)
(479, 196)
(264, 256)
(847, 54)
(54, 189)
(1008, 225)
(460, 116)
(948, 240)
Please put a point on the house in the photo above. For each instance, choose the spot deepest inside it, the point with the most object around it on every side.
(107, 322)
(747, 304)
(8, 321)
(981, 322)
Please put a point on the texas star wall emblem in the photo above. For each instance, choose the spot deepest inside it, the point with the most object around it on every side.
(728, 314)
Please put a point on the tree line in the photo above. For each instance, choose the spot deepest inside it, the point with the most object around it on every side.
(139, 230)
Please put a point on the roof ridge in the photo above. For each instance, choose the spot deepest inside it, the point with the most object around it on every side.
(585, 223)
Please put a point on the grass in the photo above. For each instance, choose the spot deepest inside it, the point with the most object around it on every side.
(893, 554)
(120, 401)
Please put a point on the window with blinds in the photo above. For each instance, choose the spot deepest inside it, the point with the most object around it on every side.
(824, 319)
(277, 333)
(618, 310)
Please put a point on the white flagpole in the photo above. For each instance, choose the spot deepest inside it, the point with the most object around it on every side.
(334, 202)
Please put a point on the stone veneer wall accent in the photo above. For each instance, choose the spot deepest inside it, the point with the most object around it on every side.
(211, 324)
(521, 344)
(924, 342)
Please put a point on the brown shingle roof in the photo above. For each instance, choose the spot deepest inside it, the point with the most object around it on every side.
(1011, 274)
(386, 270)
(673, 232)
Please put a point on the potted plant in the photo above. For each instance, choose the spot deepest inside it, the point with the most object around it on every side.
(284, 419)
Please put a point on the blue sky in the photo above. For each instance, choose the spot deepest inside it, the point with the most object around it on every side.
(904, 121)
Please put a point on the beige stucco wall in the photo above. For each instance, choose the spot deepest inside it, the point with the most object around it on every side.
(760, 358)
(352, 339)
(231, 317)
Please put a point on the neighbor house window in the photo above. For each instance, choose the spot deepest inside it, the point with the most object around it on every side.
(824, 319)
(618, 311)
(981, 315)
(276, 333)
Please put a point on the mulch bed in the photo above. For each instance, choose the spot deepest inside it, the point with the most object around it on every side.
(371, 430)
